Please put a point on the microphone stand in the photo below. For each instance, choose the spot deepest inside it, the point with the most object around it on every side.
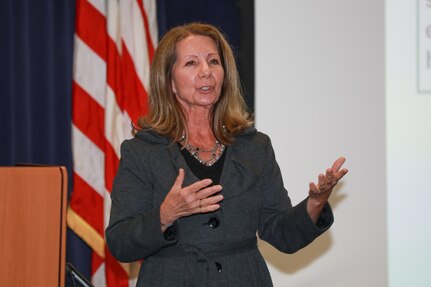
(74, 274)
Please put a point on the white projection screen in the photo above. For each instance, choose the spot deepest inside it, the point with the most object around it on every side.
(320, 94)
(408, 130)
(351, 78)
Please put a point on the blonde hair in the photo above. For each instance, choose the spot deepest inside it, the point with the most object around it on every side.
(230, 115)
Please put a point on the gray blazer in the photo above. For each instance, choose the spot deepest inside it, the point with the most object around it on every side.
(213, 249)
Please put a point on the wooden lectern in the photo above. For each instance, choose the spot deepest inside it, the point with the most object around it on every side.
(33, 226)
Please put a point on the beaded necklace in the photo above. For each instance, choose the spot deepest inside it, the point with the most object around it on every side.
(194, 151)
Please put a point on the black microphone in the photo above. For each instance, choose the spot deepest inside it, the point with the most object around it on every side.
(74, 274)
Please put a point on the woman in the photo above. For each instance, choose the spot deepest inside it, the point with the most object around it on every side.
(197, 181)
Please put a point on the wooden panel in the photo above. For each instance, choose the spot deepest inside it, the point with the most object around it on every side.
(32, 226)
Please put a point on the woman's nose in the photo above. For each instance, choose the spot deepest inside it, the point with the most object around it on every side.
(204, 70)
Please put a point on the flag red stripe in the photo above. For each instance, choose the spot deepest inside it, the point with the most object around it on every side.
(115, 274)
(147, 31)
(96, 262)
(88, 116)
(114, 72)
(87, 203)
(136, 105)
(91, 27)
(111, 166)
(124, 81)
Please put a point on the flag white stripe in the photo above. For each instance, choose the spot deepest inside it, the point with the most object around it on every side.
(126, 28)
(99, 5)
(132, 282)
(89, 161)
(113, 24)
(106, 207)
(133, 33)
(99, 279)
(89, 71)
(115, 122)
(150, 9)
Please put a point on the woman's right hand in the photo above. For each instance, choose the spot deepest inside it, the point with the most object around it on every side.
(198, 197)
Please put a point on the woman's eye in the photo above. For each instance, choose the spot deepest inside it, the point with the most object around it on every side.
(214, 61)
(190, 63)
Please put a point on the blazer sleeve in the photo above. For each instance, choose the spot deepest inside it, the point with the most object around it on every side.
(134, 230)
(288, 228)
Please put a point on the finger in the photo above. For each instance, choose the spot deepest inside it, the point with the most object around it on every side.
(330, 174)
(179, 180)
(313, 188)
(321, 182)
(208, 205)
(211, 200)
(209, 191)
(210, 208)
(195, 187)
(339, 175)
(338, 163)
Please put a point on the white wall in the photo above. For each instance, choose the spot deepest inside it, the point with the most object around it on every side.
(320, 93)
(408, 120)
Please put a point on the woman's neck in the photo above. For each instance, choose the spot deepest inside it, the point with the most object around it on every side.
(201, 142)
(199, 128)
(201, 135)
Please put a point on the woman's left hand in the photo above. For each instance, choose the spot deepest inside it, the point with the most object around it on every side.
(320, 192)
(328, 181)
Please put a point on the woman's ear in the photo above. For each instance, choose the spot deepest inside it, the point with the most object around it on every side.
(173, 86)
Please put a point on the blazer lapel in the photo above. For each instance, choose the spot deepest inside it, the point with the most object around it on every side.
(239, 174)
(166, 164)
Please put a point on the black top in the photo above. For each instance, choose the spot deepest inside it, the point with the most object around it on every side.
(202, 171)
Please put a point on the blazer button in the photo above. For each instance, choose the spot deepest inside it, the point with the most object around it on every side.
(219, 267)
(213, 222)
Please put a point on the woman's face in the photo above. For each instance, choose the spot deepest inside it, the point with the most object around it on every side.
(197, 74)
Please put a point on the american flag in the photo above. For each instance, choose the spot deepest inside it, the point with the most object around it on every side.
(114, 45)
